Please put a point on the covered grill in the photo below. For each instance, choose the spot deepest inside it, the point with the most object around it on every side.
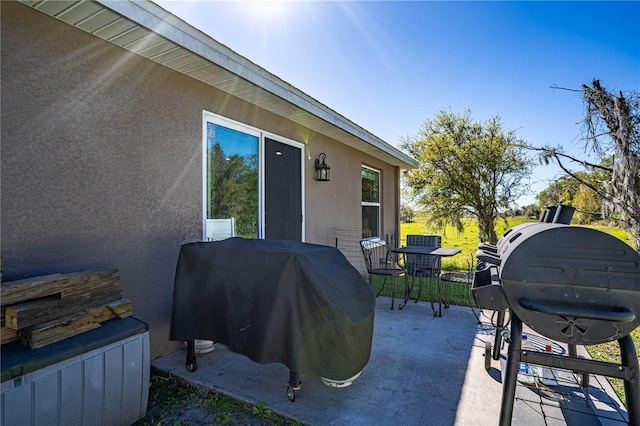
(571, 284)
(303, 305)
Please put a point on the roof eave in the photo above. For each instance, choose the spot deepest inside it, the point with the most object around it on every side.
(222, 68)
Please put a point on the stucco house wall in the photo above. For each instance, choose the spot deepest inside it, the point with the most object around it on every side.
(101, 161)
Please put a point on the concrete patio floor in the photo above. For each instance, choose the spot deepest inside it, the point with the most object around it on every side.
(423, 370)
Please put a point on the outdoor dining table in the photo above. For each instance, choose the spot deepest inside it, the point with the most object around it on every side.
(438, 252)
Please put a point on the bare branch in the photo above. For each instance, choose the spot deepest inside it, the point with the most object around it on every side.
(579, 179)
(553, 152)
(556, 87)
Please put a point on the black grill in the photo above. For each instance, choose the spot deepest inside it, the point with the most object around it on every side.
(571, 284)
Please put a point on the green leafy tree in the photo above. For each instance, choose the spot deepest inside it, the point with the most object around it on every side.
(531, 211)
(406, 214)
(233, 189)
(578, 192)
(560, 191)
(466, 168)
(588, 205)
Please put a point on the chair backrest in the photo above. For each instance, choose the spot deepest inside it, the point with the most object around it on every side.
(376, 254)
(220, 229)
(423, 263)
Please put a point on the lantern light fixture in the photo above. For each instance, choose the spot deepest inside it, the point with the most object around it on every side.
(322, 169)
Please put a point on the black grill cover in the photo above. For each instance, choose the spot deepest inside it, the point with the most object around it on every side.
(299, 304)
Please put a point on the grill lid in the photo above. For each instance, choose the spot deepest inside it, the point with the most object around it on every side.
(569, 283)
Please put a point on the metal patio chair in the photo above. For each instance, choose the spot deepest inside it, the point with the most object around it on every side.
(423, 266)
(379, 261)
(462, 279)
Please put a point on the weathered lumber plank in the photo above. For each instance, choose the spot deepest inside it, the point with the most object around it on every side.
(8, 335)
(37, 311)
(44, 334)
(71, 284)
(119, 309)
(53, 331)
(91, 283)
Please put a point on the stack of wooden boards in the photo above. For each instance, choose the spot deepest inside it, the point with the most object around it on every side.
(42, 310)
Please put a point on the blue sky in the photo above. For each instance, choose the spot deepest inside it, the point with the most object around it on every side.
(390, 65)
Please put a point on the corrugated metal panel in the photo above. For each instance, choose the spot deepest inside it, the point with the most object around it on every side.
(78, 12)
(228, 71)
(191, 66)
(112, 29)
(130, 36)
(95, 21)
(53, 8)
(206, 70)
(105, 386)
(154, 45)
(148, 41)
(168, 55)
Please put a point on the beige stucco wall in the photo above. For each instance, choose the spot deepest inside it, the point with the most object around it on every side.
(102, 168)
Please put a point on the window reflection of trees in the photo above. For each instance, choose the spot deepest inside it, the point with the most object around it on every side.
(233, 189)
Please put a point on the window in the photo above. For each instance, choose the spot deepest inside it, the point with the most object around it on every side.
(231, 195)
(247, 172)
(370, 202)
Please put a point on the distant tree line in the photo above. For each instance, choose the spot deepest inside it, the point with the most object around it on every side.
(570, 191)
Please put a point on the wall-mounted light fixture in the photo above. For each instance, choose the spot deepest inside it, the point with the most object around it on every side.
(322, 169)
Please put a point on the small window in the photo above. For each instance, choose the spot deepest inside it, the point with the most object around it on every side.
(370, 202)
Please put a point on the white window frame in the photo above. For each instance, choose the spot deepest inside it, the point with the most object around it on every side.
(211, 117)
(373, 204)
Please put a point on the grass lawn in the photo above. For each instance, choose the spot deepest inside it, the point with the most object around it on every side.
(467, 242)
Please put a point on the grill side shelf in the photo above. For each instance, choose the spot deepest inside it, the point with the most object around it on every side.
(619, 315)
(487, 291)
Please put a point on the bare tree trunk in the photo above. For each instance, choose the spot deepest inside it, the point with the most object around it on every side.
(619, 115)
(486, 229)
(636, 237)
(612, 126)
